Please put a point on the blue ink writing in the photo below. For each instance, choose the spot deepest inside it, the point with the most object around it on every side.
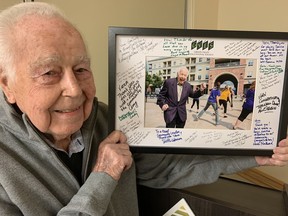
(166, 135)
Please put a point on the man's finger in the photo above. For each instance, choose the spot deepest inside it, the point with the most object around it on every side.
(116, 137)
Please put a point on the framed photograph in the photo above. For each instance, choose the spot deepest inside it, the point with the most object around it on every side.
(226, 91)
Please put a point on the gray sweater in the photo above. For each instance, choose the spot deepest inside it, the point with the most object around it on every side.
(34, 181)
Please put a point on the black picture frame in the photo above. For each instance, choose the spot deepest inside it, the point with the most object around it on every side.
(129, 49)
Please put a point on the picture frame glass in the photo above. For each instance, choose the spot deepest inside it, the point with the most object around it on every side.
(142, 60)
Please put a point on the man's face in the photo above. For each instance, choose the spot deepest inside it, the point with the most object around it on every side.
(182, 76)
(53, 82)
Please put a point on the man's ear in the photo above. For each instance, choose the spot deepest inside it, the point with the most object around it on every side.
(5, 86)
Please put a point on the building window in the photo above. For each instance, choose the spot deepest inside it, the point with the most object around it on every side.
(192, 77)
(250, 63)
(199, 77)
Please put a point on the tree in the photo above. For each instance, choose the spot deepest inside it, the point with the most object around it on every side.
(154, 80)
(157, 81)
(148, 80)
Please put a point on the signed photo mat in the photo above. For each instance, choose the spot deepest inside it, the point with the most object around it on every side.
(141, 59)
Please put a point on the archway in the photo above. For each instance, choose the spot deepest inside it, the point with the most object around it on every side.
(228, 79)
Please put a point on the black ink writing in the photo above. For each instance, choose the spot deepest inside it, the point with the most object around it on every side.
(134, 46)
(236, 139)
(241, 48)
(137, 137)
(211, 136)
(177, 46)
(267, 103)
(127, 93)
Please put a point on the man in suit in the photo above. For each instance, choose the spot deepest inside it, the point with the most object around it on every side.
(173, 97)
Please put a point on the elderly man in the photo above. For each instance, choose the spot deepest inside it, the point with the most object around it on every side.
(56, 157)
(173, 97)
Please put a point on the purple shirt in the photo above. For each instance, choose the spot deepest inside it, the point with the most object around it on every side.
(249, 102)
(213, 95)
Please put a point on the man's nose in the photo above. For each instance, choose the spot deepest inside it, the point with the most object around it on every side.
(71, 86)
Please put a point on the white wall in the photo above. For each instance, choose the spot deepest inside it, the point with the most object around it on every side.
(257, 15)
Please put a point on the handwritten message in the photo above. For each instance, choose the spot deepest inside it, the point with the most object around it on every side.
(131, 125)
(138, 137)
(176, 46)
(132, 59)
(137, 71)
(129, 115)
(270, 76)
(133, 46)
(272, 52)
(132, 72)
(271, 61)
(241, 48)
(166, 135)
(211, 137)
(236, 139)
(263, 134)
(192, 137)
(127, 93)
(267, 103)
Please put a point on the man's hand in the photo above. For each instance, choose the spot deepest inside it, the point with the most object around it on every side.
(114, 155)
(279, 158)
(203, 86)
(165, 107)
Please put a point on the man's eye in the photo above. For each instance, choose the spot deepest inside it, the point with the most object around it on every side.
(83, 73)
(50, 77)
(80, 70)
(50, 73)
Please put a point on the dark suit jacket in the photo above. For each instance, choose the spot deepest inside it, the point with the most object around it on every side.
(168, 95)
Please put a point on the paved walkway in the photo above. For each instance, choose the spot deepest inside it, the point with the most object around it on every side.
(154, 116)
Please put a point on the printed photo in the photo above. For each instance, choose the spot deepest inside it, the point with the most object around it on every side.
(200, 93)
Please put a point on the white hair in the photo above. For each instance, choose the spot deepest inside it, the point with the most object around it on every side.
(8, 18)
(183, 68)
